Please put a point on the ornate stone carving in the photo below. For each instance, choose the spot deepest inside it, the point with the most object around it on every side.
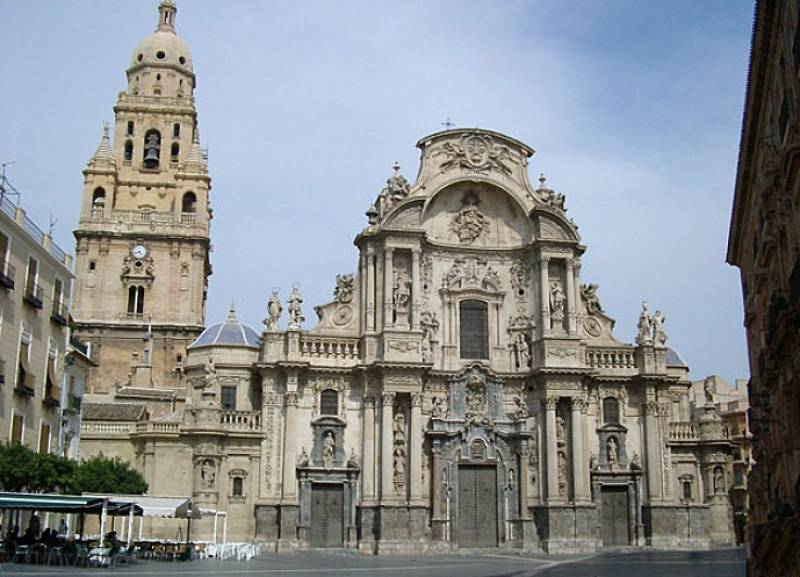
(274, 311)
(592, 327)
(328, 450)
(636, 462)
(469, 223)
(560, 426)
(562, 474)
(521, 411)
(209, 373)
(302, 458)
(644, 336)
(343, 293)
(659, 336)
(401, 295)
(439, 406)
(396, 189)
(551, 402)
(557, 299)
(399, 452)
(471, 273)
(352, 460)
(590, 298)
(403, 346)
(474, 401)
(476, 153)
(430, 327)
(612, 451)
(296, 317)
(477, 450)
(550, 197)
(520, 279)
(208, 473)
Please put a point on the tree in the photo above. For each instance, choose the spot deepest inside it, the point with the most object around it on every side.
(101, 474)
(16, 464)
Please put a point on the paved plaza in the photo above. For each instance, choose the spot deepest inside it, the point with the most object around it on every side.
(718, 563)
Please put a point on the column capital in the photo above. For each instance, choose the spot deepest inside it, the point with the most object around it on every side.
(543, 260)
(369, 402)
(389, 250)
(290, 399)
(651, 409)
(578, 404)
(550, 402)
(416, 399)
(387, 399)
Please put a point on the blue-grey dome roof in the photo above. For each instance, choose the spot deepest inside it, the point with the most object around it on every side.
(674, 359)
(231, 333)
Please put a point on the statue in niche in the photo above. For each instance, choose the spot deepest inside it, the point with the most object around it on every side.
(719, 480)
(521, 411)
(612, 451)
(556, 301)
(644, 337)
(454, 275)
(208, 473)
(474, 401)
(400, 296)
(533, 461)
(659, 336)
(512, 481)
(399, 428)
(343, 293)
(522, 351)
(439, 407)
(296, 317)
(328, 450)
(636, 462)
(589, 295)
(399, 467)
(430, 326)
(274, 311)
(560, 424)
(562, 474)
(302, 458)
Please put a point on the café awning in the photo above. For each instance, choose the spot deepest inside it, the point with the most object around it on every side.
(50, 502)
(154, 506)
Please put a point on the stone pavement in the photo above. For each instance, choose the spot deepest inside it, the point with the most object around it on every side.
(629, 563)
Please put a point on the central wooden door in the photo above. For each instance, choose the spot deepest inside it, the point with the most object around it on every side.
(327, 515)
(614, 528)
(477, 506)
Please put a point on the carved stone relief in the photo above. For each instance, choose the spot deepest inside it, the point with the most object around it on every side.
(476, 153)
(469, 223)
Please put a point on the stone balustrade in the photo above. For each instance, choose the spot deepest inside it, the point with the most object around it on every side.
(683, 431)
(603, 358)
(157, 427)
(329, 348)
(241, 420)
(105, 428)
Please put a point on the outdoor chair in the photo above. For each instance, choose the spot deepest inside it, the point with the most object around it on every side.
(125, 555)
(56, 555)
(81, 555)
(22, 554)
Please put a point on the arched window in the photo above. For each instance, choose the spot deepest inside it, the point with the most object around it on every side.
(152, 149)
(99, 196)
(128, 150)
(238, 487)
(176, 129)
(189, 203)
(610, 410)
(329, 402)
(135, 300)
(174, 152)
(474, 330)
(130, 128)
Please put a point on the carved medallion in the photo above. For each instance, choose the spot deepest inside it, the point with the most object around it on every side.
(592, 327)
(343, 315)
(469, 223)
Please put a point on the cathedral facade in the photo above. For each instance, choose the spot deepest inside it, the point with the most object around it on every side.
(462, 389)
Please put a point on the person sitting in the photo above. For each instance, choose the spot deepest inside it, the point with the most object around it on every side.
(28, 538)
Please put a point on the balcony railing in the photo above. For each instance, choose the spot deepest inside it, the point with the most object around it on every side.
(682, 431)
(6, 275)
(329, 347)
(59, 314)
(187, 218)
(33, 295)
(600, 358)
(241, 420)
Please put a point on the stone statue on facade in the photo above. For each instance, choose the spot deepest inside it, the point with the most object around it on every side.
(708, 390)
(296, 317)
(590, 298)
(209, 373)
(562, 474)
(659, 336)
(399, 428)
(560, 428)
(521, 411)
(396, 189)
(343, 293)
(439, 407)
(302, 458)
(401, 295)
(612, 451)
(719, 480)
(399, 468)
(636, 462)
(328, 450)
(522, 351)
(352, 461)
(208, 473)
(556, 301)
(644, 337)
(274, 311)
(593, 463)
(430, 327)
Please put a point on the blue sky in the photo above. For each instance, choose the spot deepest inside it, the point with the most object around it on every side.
(633, 108)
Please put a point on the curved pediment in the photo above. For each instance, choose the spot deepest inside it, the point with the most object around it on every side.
(553, 226)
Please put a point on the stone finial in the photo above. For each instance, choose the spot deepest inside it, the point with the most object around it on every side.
(166, 16)
(195, 162)
(232, 314)
(103, 153)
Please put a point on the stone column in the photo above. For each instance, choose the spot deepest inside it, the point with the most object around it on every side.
(388, 283)
(387, 446)
(368, 459)
(289, 448)
(416, 290)
(415, 447)
(370, 289)
(572, 304)
(653, 446)
(544, 291)
(579, 465)
(523, 481)
(552, 449)
(378, 279)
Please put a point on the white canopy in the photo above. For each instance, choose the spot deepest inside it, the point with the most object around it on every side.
(153, 506)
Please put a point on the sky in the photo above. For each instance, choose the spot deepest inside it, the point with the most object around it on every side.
(634, 109)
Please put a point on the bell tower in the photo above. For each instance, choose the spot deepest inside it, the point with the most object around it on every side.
(142, 242)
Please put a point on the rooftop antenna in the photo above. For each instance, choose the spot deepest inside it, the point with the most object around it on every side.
(447, 124)
(6, 188)
(53, 222)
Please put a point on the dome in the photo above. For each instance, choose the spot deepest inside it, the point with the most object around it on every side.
(164, 47)
(231, 333)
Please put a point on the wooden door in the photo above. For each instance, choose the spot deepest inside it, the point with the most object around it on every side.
(477, 506)
(614, 528)
(327, 515)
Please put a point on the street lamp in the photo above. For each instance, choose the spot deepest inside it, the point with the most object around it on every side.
(188, 554)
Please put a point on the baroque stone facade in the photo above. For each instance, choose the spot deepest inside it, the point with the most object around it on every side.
(764, 244)
(463, 388)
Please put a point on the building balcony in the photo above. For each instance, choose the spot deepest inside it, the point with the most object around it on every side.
(33, 295)
(59, 314)
(241, 420)
(6, 275)
(683, 431)
(52, 397)
(609, 358)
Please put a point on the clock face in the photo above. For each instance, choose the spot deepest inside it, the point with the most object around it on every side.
(139, 251)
